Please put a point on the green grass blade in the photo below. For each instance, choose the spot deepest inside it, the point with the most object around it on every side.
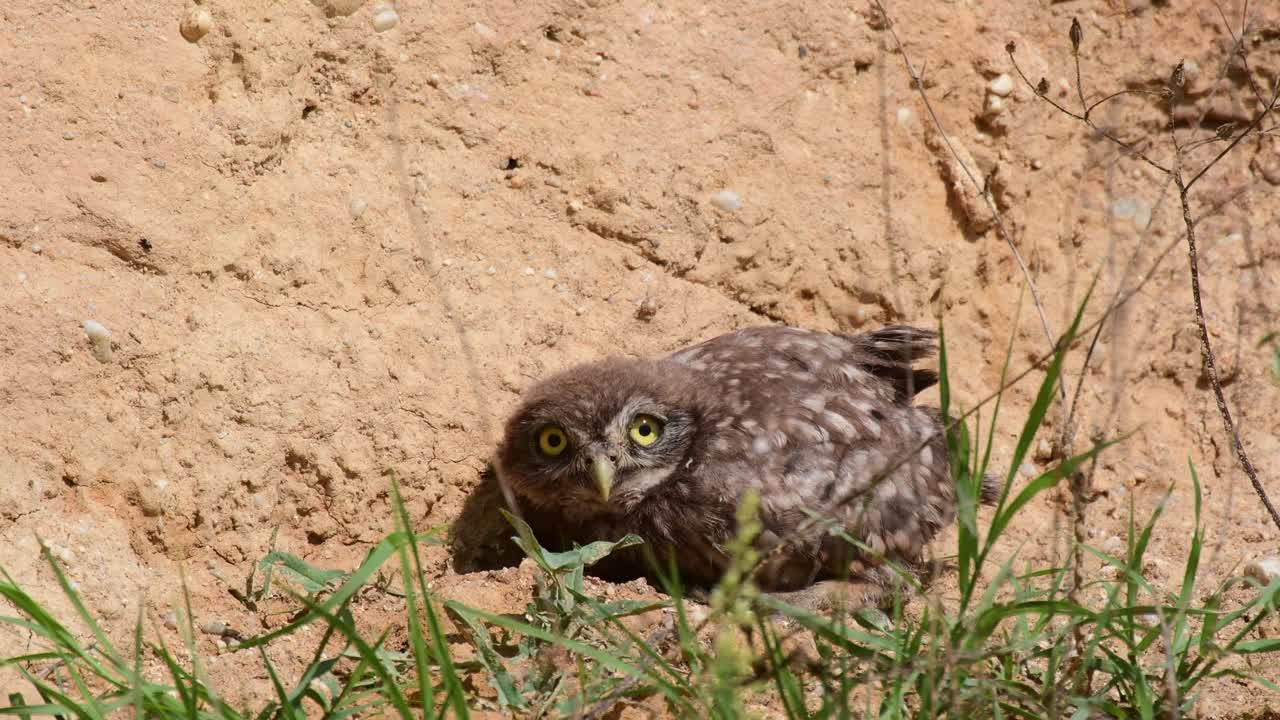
(287, 709)
(415, 584)
(610, 661)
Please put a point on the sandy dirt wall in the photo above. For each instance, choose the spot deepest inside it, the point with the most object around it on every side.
(324, 254)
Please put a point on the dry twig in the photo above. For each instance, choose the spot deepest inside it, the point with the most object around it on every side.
(1176, 173)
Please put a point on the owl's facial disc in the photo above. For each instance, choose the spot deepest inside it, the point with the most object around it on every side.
(602, 437)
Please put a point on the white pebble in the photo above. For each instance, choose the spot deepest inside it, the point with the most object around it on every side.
(213, 627)
(100, 338)
(22, 278)
(485, 31)
(550, 274)
(1002, 85)
(1265, 570)
(491, 270)
(528, 271)
(1142, 215)
(726, 200)
(904, 115)
(37, 248)
(385, 19)
(1029, 470)
(196, 24)
(1124, 208)
(171, 619)
(358, 206)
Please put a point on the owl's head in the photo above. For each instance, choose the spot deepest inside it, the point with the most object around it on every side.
(601, 436)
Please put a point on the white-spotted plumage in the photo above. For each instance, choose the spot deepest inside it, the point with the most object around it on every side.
(821, 425)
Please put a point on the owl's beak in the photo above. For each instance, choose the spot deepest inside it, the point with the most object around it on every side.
(602, 470)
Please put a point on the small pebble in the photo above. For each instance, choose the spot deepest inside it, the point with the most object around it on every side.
(171, 619)
(726, 200)
(358, 206)
(695, 613)
(550, 274)
(527, 271)
(344, 8)
(1142, 214)
(22, 278)
(648, 309)
(1265, 570)
(1002, 85)
(1029, 470)
(213, 627)
(37, 248)
(491, 270)
(904, 115)
(196, 24)
(100, 339)
(159, 164)
(68, 135)
(1124, 208)
(1037, 164)
(1113, 545)
(385, 19)
(485, 31)
(97, 177)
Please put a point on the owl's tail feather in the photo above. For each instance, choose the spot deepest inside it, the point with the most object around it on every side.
(991, 489)
(891, 353)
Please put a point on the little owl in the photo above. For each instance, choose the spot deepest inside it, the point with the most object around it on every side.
(665, 447)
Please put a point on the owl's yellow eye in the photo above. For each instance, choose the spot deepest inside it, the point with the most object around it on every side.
(552, 441)
(645, 430)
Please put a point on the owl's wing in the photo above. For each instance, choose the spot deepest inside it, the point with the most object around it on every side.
(879, 362)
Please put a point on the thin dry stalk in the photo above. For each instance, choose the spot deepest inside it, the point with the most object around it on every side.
(918, 81)
(1207, 355)
(1176, 173)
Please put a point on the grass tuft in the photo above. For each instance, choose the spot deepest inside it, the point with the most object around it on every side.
(1011, 643)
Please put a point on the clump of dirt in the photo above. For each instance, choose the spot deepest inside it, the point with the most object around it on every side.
(324, 254)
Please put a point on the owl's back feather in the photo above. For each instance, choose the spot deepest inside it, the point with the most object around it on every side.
(821, 425)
